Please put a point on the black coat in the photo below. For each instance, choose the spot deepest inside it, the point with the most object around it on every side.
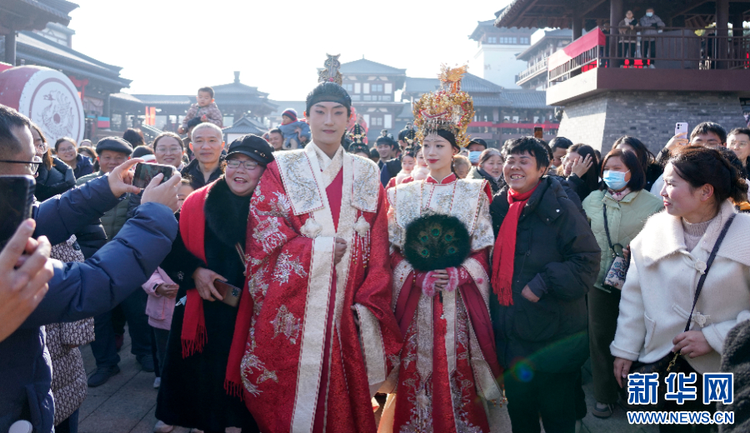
(496, 185)
(193, 171)
(558, 257)
(192, 389)
(55, 180)
(83, 166)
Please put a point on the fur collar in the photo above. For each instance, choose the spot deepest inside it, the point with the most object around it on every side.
(226, 214)
(663, 236)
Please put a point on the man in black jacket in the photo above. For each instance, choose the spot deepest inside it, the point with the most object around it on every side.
(545, 261)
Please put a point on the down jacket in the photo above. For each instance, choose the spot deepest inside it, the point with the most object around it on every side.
(53, 181)
(77, 291)
(114, 218)
(558, 258)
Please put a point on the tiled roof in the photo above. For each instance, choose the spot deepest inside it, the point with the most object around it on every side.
(364, 66)
(246, 126)
(281, 106)
(166, 99)
(39, 50)
(471, 84)
(553, 34)
(523, 98)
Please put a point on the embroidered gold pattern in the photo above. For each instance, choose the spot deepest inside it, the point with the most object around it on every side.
(366, 184)
(285, 323)
(267, 375)
(268, 234)
(299, 181)
(285, 265)
(420, 396)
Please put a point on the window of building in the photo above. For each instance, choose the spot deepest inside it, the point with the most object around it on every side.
(349, 87)
(525, 41)
(491, 39)
(376, 121)
(376, 88)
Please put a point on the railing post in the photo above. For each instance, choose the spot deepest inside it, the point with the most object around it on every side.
(615, 14)
(722, 32)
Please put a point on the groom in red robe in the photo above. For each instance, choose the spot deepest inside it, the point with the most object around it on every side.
(319, 336)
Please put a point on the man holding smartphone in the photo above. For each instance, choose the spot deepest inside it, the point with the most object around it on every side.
(113, 151)
(77, 290)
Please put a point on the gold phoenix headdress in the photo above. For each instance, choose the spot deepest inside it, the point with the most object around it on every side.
(449, 108)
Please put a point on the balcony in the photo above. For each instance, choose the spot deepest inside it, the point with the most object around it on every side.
(531, 72)
(676, 59)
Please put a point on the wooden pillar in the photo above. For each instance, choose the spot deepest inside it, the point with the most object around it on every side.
(722, 30)
(577, 24)
(615, 15)
(10, 48)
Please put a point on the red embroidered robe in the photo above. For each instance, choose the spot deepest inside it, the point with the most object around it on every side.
(448, 358)
(307, 365)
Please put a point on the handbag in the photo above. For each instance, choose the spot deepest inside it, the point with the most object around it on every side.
(615, 277)
(672, 362)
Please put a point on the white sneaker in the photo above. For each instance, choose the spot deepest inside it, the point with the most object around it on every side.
(161, 427)
(157, 383)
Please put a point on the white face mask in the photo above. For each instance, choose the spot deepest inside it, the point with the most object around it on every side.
(649, 14)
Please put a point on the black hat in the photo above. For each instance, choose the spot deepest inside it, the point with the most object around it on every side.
(253, 146)
(115, 144)
(478, 141)
(386, 138)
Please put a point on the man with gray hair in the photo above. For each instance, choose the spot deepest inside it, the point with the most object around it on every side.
(207, 143)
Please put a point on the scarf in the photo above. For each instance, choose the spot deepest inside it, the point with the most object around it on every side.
(505, 247)
(619, 195)
(193, 335)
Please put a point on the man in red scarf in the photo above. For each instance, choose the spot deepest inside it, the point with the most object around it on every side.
(321, 336)
(544, 262)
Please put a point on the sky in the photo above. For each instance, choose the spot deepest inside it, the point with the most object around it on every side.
(175, 47)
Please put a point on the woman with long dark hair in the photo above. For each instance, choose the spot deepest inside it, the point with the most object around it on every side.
(648, 162)
(54, 176)
(581, 169)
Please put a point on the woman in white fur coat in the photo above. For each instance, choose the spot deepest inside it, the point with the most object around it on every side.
(668, 258)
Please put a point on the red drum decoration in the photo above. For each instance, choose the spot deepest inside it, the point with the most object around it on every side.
(47, 97)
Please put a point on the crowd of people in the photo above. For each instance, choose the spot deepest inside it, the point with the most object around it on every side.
(308, 280)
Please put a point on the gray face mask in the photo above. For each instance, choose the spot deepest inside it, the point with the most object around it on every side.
(649, 14)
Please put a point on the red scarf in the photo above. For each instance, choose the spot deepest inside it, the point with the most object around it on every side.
(193, 336)
(505, 247)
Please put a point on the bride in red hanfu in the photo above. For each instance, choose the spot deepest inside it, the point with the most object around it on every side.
(441, 235)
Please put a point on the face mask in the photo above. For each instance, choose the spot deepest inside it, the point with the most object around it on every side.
(649, 14)
(474, 156)
(615, 180)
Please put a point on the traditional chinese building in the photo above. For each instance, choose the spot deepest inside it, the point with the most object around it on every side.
(544, 43)
(372, 87)
(235, 100)
(495, 59)
(500, 114)
(37, 33)
(699, 69)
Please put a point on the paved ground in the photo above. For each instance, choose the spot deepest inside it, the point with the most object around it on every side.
(127, 402)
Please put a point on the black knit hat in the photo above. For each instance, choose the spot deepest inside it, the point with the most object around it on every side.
(252, 146)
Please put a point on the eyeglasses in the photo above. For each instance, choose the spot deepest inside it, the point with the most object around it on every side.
(33, 164)
(235, 163)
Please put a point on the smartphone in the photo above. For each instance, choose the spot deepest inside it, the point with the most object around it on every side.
(681, 128)
(16, 199)
(538, 132)
(145, 172)
(230, 293)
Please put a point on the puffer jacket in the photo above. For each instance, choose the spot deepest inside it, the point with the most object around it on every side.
(63, 339)
(53, 181)
(83, 166)
(558, 258)
(626, 219)
(77, 291)
(115, 218)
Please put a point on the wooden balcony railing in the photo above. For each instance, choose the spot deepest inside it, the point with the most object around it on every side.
(671, 48)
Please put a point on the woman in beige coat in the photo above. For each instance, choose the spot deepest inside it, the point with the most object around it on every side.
(668, 258)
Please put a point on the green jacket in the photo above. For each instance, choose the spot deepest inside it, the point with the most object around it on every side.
(115, 218)
(626, 219)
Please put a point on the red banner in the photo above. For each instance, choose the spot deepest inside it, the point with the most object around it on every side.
(594, 38)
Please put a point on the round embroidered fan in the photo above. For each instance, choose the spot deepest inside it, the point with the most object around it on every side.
(436, 242)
